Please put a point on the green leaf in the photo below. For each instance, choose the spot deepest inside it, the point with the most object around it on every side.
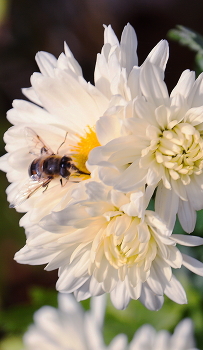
(187, 37)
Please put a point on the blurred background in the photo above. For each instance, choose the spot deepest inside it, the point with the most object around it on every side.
(28, 26)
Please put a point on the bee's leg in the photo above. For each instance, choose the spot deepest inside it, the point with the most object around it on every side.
(63, 183)
(46, 184)
(62, 142)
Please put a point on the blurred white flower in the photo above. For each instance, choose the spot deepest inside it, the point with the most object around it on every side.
(162, 146)
(63, 114)
(147, 338)
(101, 245)
(68, 327)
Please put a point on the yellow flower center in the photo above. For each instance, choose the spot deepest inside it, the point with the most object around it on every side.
(133, 248)
(83, 148)
(181, 153)
(122, 251)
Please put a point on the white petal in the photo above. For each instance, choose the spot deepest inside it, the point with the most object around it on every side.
(175, 291)
(83, 292)
(121, 224)
(68, 216)
(189, 241)
(185, 84)
(31, 95)
(93, 332)
(46, 63)
(131, 179)
(162, 340)
(59, 97)
(107, 128)
(98, 306)
(135, 292)
(128, 48)
(187, 216)
(109, 36)
(60, 258)
(159, 55)
(193, 265)
(120, 342)
(166, 205)
(68, 280)
(95, 287)
(33, 256)
(152, 85)
(72, 63)
(96, 191)
(183, 336)
(156, 281)
(150, 300)
(28, 113)
(195, 97)
(195, 192)
(4, 165)
(108, 175)
(179, 188)
(68, 304)
(134, 82)
(194, 116)
(119, 296)
(143, 338)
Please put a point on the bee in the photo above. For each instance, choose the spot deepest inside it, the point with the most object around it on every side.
(46, 167)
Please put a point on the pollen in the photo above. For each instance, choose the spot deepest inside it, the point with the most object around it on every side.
(82, 149)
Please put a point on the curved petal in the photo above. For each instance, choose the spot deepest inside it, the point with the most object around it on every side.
(175, 291)
(128, 48)
(193, 265)
(150, 300)
(153, 86)
(119, 296)
(189, 241)
(159, 55)
(187, 216)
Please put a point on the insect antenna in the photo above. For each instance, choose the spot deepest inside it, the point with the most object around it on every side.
(62, 142)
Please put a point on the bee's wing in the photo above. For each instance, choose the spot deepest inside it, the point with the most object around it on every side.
(35, 143)
(27, 190)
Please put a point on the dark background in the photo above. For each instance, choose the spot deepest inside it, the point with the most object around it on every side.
(34, 25)
(28, 26)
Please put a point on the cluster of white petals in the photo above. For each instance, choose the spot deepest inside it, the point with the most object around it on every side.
(70, 328)
(148, 338)
(101, 245)
(64, 111)
(162, 147)
(84, 161)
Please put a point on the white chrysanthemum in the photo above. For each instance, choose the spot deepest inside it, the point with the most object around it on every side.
(162, 146)
(63, 114)
(146, 338)
(68, 327)
(101, 245)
